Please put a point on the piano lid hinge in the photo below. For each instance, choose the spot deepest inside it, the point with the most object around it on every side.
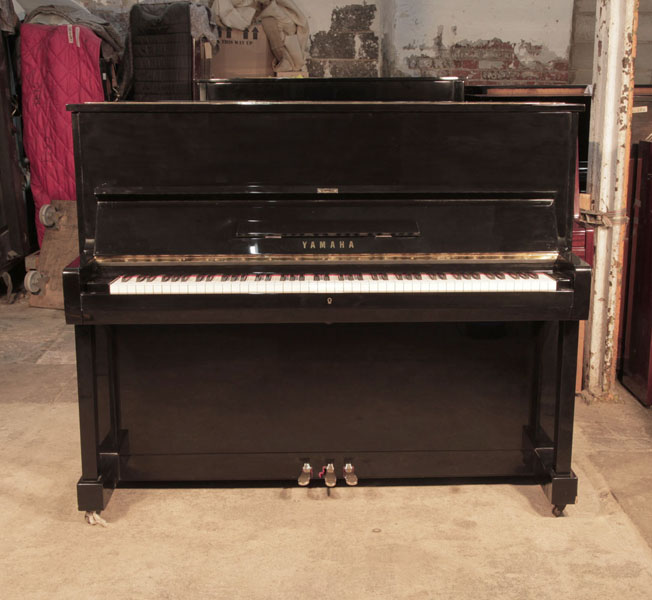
(597, 218)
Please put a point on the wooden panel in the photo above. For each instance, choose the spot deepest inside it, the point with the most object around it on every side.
(58, 250)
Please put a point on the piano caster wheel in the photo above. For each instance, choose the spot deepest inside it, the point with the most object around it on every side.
(349, 474)
(558, 510)
(330, 479)
(93, 518)
(306, 474)
(48, 215)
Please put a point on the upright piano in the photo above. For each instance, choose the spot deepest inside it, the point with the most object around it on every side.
(326, 293)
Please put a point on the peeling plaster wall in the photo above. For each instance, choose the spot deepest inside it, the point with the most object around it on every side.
(512, 41)
(345, 38)
(581, 63)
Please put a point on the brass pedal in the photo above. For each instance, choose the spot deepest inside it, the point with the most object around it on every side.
(330, 479)
(305, 476)
(349, 474)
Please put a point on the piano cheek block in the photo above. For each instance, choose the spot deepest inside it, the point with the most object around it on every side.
(425, 325)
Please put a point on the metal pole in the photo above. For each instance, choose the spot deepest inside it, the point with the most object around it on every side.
(609, 149)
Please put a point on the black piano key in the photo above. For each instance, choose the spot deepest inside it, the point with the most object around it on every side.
(259, 277)
(165, 278)
(490, 276)
(126, 278)
(185, 277)
(475, 275)
(340, 277)
(384, 276)
(359, 277)
(302, 277)
(175, 277)
(326, 277)
(235, 277)
(513, 275)
(268, 277)
(432, 275)
(349, 277)
(417, 276)
(456, 275)
(293, 277)
(151, 278)
(374, 276)
(141, 278)
(441, 276)
(398, 276)
(533, 275)
(243, 277)
(523, 275)
(408, 276)
(466, 275)
(500, 275)
(315, 277)
(225, 277)
(210, 277)
(200, 278)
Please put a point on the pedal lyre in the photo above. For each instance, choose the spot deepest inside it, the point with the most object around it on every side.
(349, 474)
(306, 474)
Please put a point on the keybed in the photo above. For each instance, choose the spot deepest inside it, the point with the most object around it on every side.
(333, 283)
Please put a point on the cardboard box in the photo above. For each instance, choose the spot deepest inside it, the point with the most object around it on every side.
(240, 53)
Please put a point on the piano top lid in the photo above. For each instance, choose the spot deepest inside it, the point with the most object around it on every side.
(332, 106)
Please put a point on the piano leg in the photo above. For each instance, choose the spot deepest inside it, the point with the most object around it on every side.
(560, 483)
(99, 457)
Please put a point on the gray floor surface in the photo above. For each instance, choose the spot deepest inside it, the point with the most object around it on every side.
(416, 542)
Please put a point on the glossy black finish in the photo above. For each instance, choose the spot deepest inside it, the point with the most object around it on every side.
(248, 388)
(429, 89)
(379, 158)
(573, 94)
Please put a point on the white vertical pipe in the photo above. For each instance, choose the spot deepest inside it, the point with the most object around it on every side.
(609, 148)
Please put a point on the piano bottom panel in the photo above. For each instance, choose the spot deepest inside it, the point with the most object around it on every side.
(287, 466)
(253, 402)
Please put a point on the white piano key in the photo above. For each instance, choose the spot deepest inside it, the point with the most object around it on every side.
(347, 285)
(550, 283)
(304, 285)
(394, 284)
(192, 285)
(214, 286)
(115, 287)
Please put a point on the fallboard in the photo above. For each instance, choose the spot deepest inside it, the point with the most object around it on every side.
(349, 224)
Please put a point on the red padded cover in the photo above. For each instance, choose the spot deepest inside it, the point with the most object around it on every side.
(60, 65)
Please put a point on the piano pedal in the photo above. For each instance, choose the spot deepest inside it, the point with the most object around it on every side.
(306, 475)
(328, 474)
(349, 474)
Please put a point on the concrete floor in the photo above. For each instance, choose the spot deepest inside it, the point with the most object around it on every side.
(473, 541)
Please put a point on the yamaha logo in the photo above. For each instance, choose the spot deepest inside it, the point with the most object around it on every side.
(328, 245)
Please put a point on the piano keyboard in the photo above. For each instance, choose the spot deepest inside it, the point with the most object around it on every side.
(334, 283)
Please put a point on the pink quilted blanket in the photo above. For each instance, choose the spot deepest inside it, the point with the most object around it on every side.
(60, 65)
